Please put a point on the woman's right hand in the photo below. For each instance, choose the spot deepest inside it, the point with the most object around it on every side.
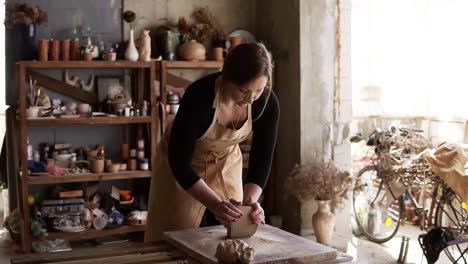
(227, 212)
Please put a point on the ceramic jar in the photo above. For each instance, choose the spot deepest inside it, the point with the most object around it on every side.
(323, 222)
(96, 165)
(192, 51)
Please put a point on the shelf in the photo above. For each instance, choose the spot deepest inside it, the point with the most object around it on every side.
(194, 64)
(93, 233)
(49, 179)
(88, 121)
(120, 64)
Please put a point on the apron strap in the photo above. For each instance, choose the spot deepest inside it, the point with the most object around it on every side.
(219, 173)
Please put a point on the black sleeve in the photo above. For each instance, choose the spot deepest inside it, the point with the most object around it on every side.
(186, 129)
(265, 130)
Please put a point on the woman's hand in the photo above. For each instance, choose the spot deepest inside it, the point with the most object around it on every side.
(227, 212)
(258, 215)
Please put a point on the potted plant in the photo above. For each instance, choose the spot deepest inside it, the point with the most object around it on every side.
(326, 184)
(25, 18)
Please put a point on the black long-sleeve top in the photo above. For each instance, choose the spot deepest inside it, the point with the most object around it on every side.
(195, 116)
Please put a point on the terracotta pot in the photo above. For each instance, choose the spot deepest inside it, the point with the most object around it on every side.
(323, 222)
(192, 51)
(65, 50)
(132, 164)
(43, 50)
(234, 41)
(96, 165)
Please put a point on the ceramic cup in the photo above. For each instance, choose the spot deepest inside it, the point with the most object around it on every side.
(83, 108)
(110, 56)
(96, 165)
(219, 54)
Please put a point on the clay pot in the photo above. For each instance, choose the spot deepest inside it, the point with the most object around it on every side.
(234, 41)
(219, 54)
(96, 165)
(132, 164)
(323, 222)
(192, 51)
(43, 50)
(32, 112)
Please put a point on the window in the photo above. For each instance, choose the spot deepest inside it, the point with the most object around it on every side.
(409, 58)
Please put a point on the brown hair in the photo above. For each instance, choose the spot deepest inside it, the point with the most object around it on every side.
(247, 62)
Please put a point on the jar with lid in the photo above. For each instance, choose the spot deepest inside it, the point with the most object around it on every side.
(144, 164)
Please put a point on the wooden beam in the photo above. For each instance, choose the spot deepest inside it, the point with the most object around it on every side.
(63, 88)
(175, 80)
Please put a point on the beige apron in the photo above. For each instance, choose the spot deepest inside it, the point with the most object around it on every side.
(217, 159)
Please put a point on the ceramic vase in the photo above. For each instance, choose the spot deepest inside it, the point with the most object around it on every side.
(131, 54)
(192, 51)
(323, 222)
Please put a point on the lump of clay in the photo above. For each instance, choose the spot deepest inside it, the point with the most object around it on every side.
(232, 251)
(247, 255)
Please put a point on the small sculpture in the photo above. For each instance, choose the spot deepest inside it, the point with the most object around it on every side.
(73, 81)
(145, 46)
(90, 86)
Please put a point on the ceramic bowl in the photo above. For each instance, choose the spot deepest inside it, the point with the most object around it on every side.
(63, 156)
(113, 168)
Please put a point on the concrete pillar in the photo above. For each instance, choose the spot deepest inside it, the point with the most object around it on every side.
(315, 100)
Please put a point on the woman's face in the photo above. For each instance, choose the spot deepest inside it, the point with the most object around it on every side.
(249, 92)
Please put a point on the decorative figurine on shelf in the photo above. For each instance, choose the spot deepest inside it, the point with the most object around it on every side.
(73, 80)
(145, 46)
(88, 87)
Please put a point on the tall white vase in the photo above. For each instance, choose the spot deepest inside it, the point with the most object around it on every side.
(131, 54)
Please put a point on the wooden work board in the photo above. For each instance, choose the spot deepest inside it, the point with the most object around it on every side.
(272, 245)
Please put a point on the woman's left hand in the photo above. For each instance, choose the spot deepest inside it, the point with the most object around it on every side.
(258, 215)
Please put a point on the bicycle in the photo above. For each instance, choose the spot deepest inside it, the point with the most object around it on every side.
(378, 201)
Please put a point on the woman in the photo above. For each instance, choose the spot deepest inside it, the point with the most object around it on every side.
(198, 175)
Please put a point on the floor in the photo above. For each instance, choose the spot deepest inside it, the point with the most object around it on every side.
(360, 249)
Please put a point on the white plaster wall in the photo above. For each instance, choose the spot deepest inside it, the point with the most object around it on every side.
(318, 42)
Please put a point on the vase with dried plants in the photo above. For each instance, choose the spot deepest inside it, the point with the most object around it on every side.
(23, 19)
(326, 184)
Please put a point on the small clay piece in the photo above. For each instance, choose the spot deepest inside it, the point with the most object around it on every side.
(243, 227)
(234, 251)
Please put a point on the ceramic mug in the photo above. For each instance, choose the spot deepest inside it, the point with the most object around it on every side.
(219, 54)
(110, 56)
(83, 108)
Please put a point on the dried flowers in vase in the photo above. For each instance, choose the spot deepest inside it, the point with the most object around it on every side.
(319, 181)
(25, 14)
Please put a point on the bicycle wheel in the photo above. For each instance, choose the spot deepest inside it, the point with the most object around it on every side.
(452, 213)
(376, 219)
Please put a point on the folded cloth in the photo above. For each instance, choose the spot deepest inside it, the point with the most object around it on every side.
(448, 162)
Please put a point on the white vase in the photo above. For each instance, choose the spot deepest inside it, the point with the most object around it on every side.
(131, 54)
(323, 222)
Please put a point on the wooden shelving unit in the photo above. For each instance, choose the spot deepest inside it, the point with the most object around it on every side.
(145, 73)
(152, 70)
